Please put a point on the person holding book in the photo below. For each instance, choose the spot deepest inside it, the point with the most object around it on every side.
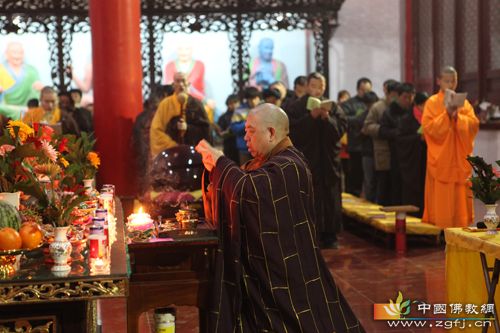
(316, 127)
(449, 131)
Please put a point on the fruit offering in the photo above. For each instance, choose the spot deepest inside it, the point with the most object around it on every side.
(9, 216)
(31, 235)
(9, 239)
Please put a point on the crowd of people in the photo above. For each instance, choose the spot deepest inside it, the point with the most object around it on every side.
(370, 146)
(62, 111)
(287, 156)
(410, 149)
(278, 208)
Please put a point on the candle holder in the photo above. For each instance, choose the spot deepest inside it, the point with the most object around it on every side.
(140, 227)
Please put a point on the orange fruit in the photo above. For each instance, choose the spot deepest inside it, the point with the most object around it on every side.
(9, 239)
(31, 235)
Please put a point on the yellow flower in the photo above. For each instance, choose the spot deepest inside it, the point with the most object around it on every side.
(64, 162)
(24, 130)
(94, 159)
(48, 169)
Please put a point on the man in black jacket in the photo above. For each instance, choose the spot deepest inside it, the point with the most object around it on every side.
(317, 134)
(408, 151)
(354, 109)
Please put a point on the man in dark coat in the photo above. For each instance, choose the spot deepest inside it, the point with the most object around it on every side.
(354, 108)
(224, 122)
(408, 150)
(269, 274)
(317, 134)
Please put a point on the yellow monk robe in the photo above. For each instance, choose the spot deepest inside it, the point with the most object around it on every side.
(37, 115)
(158, 137)
(448, 199)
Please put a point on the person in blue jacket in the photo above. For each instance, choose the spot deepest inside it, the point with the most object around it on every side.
(251, 98)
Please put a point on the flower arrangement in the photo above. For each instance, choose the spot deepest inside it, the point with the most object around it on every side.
(485, 183)
(21, 147)
(83, 160)
(29, 162)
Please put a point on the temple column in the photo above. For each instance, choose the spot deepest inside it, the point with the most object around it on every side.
(117, 84)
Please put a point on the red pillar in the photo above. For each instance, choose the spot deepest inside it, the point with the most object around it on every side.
(117, 78)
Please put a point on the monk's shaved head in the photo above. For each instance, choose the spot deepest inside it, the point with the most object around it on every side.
(448, 70)
(448, 79)
(273, 116)
(266, 126)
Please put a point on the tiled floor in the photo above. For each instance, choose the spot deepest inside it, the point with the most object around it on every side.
(365, 271)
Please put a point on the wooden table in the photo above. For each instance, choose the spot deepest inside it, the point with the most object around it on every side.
(165, 272)
(34, 296)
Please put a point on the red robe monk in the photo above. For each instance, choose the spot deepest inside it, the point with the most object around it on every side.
(449, 133)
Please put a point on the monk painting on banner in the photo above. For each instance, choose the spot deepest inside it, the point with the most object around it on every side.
(449, 132)
(269, 272)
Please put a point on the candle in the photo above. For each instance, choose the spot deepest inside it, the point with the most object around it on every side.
(139, 221)
(99, 266)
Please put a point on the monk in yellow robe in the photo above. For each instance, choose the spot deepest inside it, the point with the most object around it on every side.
(449, 133)
(48, 112)
(165, 131)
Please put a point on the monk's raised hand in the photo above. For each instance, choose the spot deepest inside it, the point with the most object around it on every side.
(209, 154)
(451, 110)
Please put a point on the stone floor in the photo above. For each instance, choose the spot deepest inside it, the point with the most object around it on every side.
(365, 271)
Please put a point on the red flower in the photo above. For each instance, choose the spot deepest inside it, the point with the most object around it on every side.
(47, 131)
(35, 141)
(496, 172)
(63, 145)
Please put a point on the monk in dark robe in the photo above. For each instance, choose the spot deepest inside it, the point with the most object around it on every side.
(316, 133)
(269, 274)
(408, 150)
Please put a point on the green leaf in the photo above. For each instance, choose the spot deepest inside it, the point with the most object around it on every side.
(400, 298)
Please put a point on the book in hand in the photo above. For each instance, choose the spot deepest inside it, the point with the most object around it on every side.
(316, 103)
(453, 99)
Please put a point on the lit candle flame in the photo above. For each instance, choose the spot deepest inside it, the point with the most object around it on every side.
(140, 211)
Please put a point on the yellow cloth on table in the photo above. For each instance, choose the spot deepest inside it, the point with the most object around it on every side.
(371, 214)
(464, 274)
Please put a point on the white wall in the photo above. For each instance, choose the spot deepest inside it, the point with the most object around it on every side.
(367, 43)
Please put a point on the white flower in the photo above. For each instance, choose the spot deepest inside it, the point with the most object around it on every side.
(49, 151)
